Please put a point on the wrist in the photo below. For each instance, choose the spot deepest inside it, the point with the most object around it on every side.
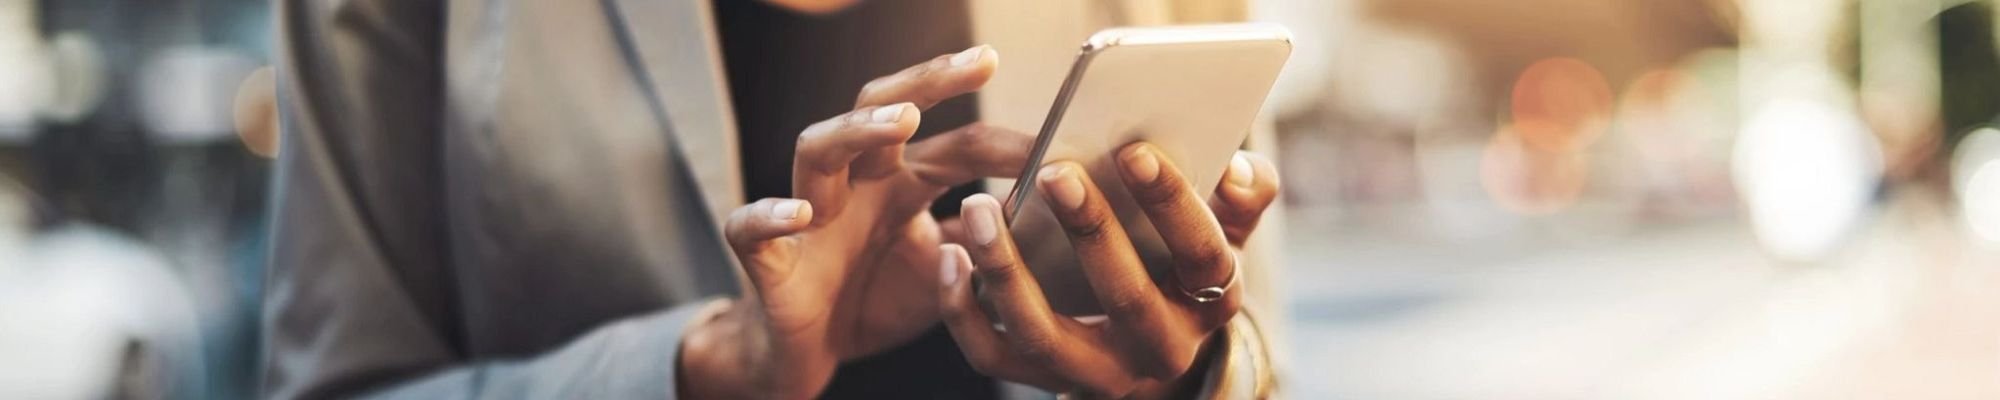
(1191, 383)
(715, 356)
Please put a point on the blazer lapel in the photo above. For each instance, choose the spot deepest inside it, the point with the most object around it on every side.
(675, 43)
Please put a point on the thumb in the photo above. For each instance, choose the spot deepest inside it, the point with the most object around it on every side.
(760, 234)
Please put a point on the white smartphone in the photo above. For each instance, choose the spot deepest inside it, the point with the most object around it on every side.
(1193, 91)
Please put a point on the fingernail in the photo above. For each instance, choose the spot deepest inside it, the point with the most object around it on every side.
(1061, 182)
(1241, 174)
(984, 218)
(1143, 165)
(947, 265)
(967, 56)
(787, 209)
(888, 113)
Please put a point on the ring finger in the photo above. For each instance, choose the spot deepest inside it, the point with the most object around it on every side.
(1203, 259)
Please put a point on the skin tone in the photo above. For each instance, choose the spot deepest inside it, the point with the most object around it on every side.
(847, 269)
(1152, 333)
(843, 270)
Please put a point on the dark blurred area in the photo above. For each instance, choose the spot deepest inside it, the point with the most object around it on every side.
(1484, 199)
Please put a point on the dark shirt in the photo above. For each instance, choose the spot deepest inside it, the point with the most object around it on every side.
(787, 71)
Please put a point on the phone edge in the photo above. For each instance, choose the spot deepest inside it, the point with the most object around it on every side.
(1025, 185)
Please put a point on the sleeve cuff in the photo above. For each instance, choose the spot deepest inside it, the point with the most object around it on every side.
(673, 327)
(1243, 369)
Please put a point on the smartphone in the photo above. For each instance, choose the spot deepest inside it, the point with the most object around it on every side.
(1193, 91)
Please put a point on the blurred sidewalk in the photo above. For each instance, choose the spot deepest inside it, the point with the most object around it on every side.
(1910, 309)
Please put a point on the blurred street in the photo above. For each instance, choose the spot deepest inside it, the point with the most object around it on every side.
(1907, 309)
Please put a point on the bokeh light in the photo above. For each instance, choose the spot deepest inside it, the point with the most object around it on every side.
(1980, 205)
(1975, 173)
(1560, 104)
(1528, 180)
(1806, 172)
(1974, 151)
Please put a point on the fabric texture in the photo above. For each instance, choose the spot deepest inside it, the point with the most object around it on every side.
(473, 202)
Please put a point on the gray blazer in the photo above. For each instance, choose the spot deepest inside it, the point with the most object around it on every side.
(512, 199)
(485, 198)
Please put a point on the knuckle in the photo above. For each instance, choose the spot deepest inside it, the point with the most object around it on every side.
(735, 230)
(808, 139)
(857, 117)
(1205, 257)
(981, 143)
(1036, 349)
(873, 89)
(1162, 189)
(925, 70)
(1000, 272)
(1128, 306)
(768, 253)
(1156, 193)
(974, 134)
(1089, 226)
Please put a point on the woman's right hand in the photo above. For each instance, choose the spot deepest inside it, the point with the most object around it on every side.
(845, 269)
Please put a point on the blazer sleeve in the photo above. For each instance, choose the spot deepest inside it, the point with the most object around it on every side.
(360, 297)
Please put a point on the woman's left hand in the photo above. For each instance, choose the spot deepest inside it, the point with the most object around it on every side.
(1154, 331)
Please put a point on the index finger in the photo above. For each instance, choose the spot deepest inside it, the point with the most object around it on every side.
(926, 84)
(826, 149)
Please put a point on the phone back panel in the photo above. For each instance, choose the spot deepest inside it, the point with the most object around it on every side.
(1193, 91)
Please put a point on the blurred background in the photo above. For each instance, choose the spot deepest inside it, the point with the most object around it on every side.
(1527, 199)
(130, 214)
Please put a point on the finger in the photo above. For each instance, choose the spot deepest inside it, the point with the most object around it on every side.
(1116, 274)
(982, 346)
(1248, 188)
(933, 81)
(759, 233)
(1202, 255)
(966, 154)
(923, 85)
(826, 150)
(1035, 332)
(1153, 328)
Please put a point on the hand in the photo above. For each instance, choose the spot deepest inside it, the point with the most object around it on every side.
(841, 271)
(1153, 331)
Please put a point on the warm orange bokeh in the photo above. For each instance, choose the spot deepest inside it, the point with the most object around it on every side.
(1561, 104)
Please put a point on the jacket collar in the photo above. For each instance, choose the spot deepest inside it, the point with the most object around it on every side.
(674, 43)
